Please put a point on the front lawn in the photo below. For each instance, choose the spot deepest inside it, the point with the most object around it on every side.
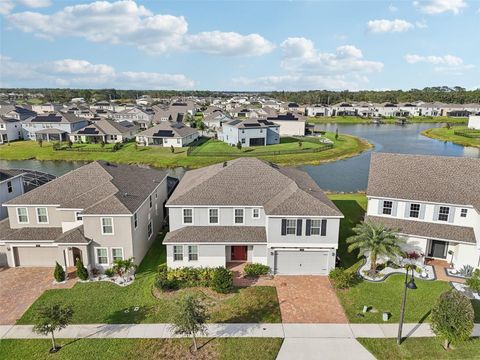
(134, 349)
(103, 302)
(420, 348)
(444, 134)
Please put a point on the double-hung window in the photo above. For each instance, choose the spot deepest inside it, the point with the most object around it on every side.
(102, 256)
(315, 226)
(387, 207)
(443, 213)
(135, 220)
(78, 216)
(192, 253)
(42, 216)
(177, 252)
(22, 215)
(117, 254)
(291, 226)
(213, 216)
(188, 216)
(149, 228)
(414, 210)
(239, 213)
(107, 226)
(463, 213)
(9, 186)
(256, 213)
(150, 199)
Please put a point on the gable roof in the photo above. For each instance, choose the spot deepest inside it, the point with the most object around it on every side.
(169, 129)
(98, 188)
(58, 117)
(253, 182)
(439, 179)
(104, 127)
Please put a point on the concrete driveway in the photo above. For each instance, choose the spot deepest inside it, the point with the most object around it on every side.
(20, 287)
(308, 299)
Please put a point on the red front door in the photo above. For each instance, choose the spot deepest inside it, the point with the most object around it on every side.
(239, 253)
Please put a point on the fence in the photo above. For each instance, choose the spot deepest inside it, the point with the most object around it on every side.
(81, 149)
(470, 133)
(196, 151)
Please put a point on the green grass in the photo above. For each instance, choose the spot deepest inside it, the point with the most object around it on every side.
(353, 206)
(345, 146)
(444, 134)
(103, 302)
(420, 349)
(360, 120)
(113, 349)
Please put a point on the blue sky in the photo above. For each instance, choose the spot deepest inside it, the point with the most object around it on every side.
(240, 45)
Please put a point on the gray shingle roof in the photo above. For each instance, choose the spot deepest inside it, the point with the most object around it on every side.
(28, 233)
(450, 180)
(99, 186)
(217, 234)
(9, 173)
(253, 182)
(428, 229)
(106, 127)
(178, 129)
(73, 236)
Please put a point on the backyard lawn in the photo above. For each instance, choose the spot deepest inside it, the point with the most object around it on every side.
(360, 120)
(133, 349)
(420, 349)
(444, 134)
(345, 146)
(103, 302)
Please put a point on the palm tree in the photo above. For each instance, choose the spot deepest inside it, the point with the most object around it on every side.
(376, 240)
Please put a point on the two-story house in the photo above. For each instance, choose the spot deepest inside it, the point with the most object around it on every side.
(11, 186)
(251, 132)
(99, 212)
(248, 210)
(142, 117)
(52, 127)
(290, 124)
(10, 129)
(433, 201)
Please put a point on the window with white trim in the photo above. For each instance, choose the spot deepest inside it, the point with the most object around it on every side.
(135, 220)
(150, 199)
(387, 207)
(291, 226)
(102, 256)
(117, 254)
(463, 213)
(22, 215)
(213, 216)
(78, 216)
(9, 186)
(187, 216)
(256, 213)
(177, 252)
(42, 216)
(414, 210)
(192, 252)
(443, 213)
(239, 213)
(315, 226)
(149, 228)
(107, 226)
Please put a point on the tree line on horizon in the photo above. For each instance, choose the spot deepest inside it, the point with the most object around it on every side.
(443, 94)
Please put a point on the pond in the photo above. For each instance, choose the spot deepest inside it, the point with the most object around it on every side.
(348, 175)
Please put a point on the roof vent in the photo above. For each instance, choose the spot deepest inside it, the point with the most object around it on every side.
(224, 164)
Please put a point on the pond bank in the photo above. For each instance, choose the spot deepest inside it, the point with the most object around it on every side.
(445, 134)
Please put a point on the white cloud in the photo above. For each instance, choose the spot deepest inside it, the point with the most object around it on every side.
(386, 26)
(392, 8)
(81, 73)
(422, 24)
(35, 3)
(126, 22)
(6, 6)
(433, 7)
(307, 68)
(454, 65)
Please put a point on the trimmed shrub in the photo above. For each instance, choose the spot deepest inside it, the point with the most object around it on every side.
(343, 279)
(59, 273)
(474, 282)
(255, 270)
(109, 272)
(222, 280)
(82, 272)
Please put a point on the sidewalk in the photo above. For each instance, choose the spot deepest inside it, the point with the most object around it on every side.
(287, 331)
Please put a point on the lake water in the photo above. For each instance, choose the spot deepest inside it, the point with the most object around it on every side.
(341, 176)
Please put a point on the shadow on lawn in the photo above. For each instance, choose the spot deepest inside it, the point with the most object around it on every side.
(130, 315)
(415, 328)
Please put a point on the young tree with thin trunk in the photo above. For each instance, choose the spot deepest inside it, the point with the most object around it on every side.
(190, 318)
(375, 240)
(52, 318)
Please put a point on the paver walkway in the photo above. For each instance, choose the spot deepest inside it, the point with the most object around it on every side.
(20, 287)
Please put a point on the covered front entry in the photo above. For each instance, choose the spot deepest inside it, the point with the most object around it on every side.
(257, 142)
(301, 262)
(437, 249)
(35, 256)
(238, 253)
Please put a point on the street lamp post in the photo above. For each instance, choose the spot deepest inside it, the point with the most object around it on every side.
(408, 285)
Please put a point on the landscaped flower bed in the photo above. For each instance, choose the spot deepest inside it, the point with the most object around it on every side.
(425, 272)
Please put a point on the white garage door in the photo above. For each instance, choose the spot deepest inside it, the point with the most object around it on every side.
(35, 256)
(301, 262)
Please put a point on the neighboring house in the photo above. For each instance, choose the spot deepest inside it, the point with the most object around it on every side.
(433, 201)
(99, 212)
(215, 119)
(142, 117)
(10, 129)
(317, 110)
(168, 134)
(167, 114)
(46, 108)
(290, 124)
(11, 186)
(474, 121)
(104, 130)
(248, 210)
(52, 127)
(16, 112)
(252, 132)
